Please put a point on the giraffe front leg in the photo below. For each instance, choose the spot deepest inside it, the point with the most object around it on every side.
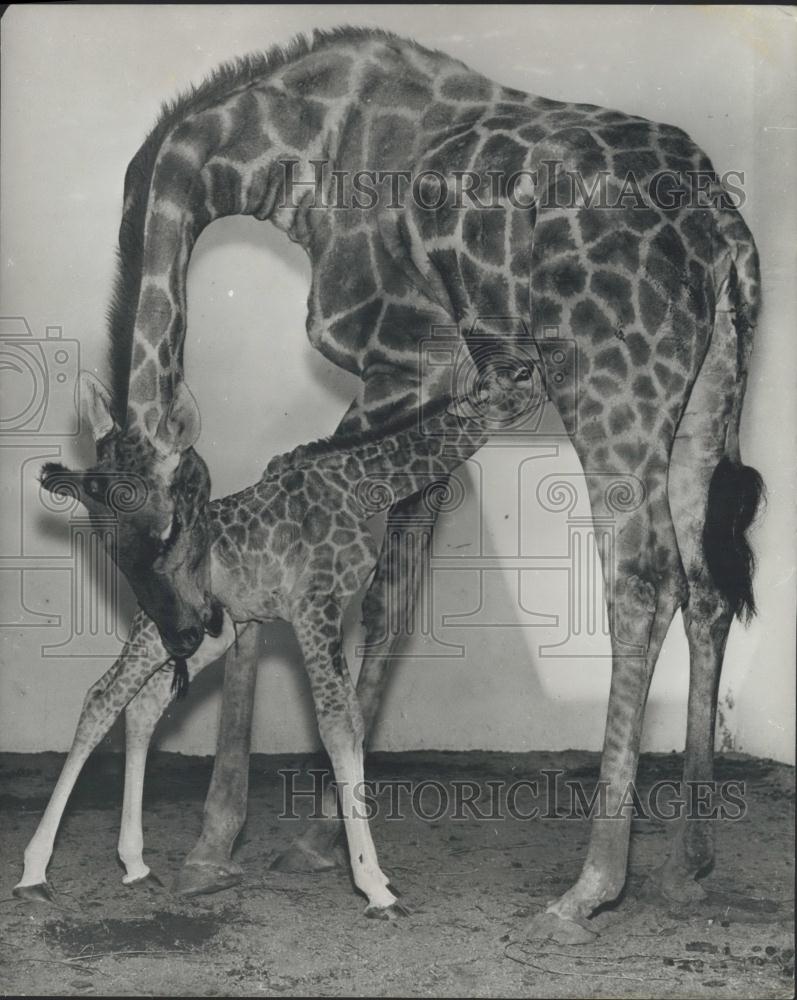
(399, 570)
(142, 655)
(141, 717)
(644, 585)
(318, 627)
(138, 732)
(209, 867)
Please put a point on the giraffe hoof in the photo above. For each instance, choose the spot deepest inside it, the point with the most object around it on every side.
(39, 893)
(200, 880)
(549, 926)
(392, 912)
(147, 881)
(298, 858)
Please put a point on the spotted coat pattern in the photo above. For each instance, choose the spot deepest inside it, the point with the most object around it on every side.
(297, 546)
(659, 296)
(634, 285)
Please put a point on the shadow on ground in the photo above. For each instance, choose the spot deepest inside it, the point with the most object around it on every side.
(473, 878)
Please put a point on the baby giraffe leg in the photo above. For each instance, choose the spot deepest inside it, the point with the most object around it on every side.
(317, 621)
(138, 731)
(141, 717)
(141, 656)
(399, 570)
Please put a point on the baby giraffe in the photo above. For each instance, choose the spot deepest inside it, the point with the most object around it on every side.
(295, 546)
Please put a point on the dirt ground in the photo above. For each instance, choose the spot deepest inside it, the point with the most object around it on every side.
(472, 886)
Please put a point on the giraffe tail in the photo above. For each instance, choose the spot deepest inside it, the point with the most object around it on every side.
(735, 490)
(734, 494)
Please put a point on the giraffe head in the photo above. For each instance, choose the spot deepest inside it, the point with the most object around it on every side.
(499, 393)
(157, 489)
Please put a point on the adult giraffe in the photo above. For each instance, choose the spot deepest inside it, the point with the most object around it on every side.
(659, 293)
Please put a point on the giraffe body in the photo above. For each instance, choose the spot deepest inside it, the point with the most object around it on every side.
(294, 546)
(654, 281)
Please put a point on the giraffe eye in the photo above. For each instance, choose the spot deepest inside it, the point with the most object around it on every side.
(523, 374)
(95, 489)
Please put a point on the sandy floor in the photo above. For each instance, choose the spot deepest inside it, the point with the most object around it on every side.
(471, 885)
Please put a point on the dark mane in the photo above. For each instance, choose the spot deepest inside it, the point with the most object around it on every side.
(337, 448)
(231, 75)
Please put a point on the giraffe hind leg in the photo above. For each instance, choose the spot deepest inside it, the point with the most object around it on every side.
(386, 610)
(713, 500)
(643, 584)
(317, 623)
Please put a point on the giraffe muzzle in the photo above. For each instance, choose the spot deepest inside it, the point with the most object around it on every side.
(185, 643)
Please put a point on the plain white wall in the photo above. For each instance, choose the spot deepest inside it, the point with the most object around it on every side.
(81, 86)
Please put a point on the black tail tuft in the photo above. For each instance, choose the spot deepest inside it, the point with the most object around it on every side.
(734, 494)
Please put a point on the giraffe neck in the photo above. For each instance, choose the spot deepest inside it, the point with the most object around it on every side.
(434, 440)
(249, 142)
(437, 441)
(251, 150)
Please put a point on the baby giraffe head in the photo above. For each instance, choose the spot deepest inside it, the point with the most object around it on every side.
(157, 488)
(503, 392)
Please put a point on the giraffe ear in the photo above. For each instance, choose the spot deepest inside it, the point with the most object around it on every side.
(179, 428)
(95, 403)
(56, 478)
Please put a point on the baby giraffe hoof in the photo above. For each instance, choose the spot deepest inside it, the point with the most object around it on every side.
(392, 912)
(298, 858)
(39, 893)
(147, 881)
(549, 926)
(199, 880)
